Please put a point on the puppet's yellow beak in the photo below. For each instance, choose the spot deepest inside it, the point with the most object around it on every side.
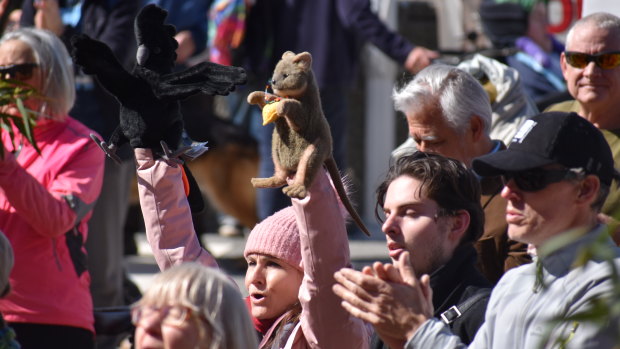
(269, 113)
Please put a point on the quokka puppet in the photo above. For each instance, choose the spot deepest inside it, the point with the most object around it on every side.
(301, 141)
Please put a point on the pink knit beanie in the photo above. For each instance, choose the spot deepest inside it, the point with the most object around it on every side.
(277, 236)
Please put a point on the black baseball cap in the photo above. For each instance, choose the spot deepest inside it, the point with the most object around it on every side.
(552, 138)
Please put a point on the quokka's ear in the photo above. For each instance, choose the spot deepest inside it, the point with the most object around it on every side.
(288, 54)
(303, 60)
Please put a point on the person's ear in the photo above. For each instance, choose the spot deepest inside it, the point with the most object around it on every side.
(476, 126)
(563, 65)
(588, 190)
(458, 227)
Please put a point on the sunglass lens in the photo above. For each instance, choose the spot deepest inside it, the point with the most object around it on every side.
(17, 71)
(604, 60)
(531, 180)
(609, 60)
(23, 72)
(576, 59)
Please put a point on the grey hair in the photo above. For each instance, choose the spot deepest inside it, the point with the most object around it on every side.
(459, 94)
(56, 69)
(601, 20)
(212, 296)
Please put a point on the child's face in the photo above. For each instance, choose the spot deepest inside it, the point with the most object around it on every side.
(272, 284)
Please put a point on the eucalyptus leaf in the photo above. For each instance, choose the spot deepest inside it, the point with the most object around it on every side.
(28, 123)
(13, 92)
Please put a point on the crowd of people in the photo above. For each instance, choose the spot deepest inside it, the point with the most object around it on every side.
(486, 236)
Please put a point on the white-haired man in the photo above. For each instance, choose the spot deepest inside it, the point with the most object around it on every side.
(591, 68)
(448, 112)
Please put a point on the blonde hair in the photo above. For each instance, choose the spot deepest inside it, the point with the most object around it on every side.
(210, 295)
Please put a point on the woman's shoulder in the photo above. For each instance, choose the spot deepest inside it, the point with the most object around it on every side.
(78, 130)
(74, 136)
(68, 141)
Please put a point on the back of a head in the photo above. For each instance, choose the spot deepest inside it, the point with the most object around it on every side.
(458, 93)
(211, 295)
(56, 66)
(504, 21)
(446, 181)
(601, 20)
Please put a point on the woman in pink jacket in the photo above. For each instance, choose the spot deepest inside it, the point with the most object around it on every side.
(291, 257)
(46, 199)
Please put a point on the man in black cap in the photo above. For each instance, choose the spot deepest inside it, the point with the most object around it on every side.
(557, 173)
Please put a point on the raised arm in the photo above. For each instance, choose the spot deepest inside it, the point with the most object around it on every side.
(167, 216)
(54, 204)
(325, 249)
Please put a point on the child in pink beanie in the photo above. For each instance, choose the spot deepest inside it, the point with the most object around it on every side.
(291, 255)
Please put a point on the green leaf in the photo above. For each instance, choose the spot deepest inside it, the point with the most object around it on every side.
(15, 92)
(28, 123)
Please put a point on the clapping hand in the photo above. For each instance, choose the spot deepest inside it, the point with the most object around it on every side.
(390, 297)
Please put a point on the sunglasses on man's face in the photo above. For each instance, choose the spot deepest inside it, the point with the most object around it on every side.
(605, 60)
(538, 178)
(21, 71)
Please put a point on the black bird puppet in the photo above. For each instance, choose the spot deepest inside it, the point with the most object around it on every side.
(150, 114)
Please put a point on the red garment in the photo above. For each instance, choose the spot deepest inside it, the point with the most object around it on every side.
(262, 326)
(34, 215)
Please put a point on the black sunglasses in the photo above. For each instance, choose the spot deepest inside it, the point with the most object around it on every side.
(21, 71)
(605, 60)
(538, 179)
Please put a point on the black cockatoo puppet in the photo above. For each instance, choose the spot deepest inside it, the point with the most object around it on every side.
(150, 114)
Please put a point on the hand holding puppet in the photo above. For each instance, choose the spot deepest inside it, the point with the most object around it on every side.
(301, 141)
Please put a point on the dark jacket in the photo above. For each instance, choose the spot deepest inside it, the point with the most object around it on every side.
(110, 21)
(453, 284)
(333, 31)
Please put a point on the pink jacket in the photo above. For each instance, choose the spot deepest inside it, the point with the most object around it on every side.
(324, 323)
(42, 197)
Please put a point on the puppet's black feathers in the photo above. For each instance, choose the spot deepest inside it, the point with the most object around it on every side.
(149, 95)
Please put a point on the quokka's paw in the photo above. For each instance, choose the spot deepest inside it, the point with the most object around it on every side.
(297, 191)
(271, 182)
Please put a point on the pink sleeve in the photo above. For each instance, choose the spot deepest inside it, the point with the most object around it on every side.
(167, 216)
(325, 250)
(45, 208)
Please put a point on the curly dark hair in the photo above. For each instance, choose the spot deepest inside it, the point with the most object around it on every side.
(446, 181)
